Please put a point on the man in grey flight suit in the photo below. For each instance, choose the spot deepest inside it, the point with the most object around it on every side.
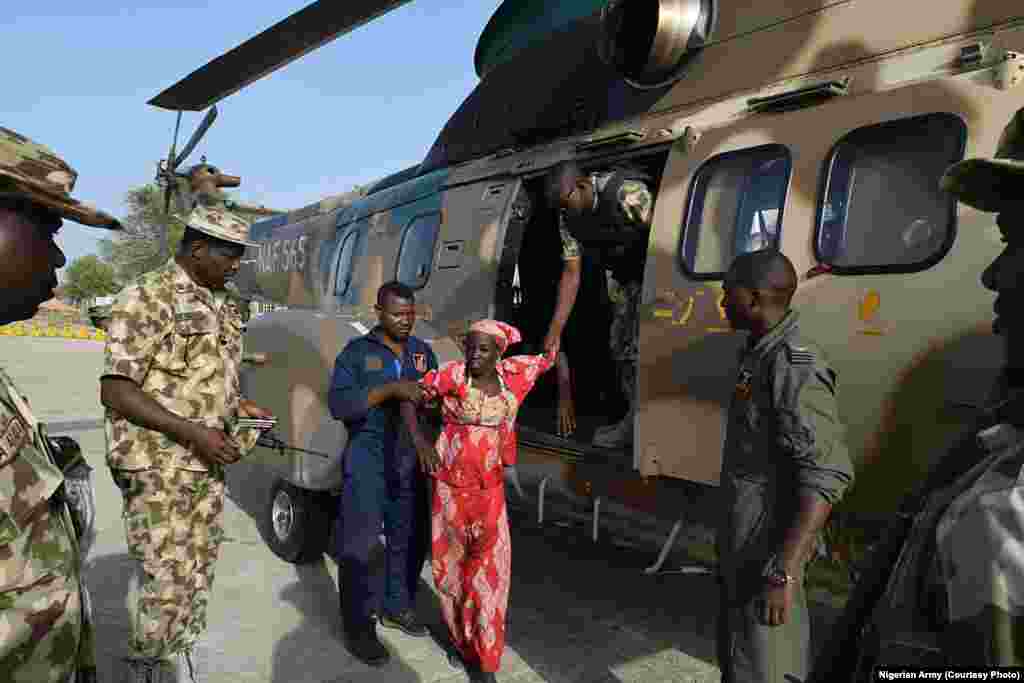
(784, 467)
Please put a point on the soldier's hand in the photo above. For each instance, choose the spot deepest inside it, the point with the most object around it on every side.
(247, 408)
(566, 415)
(552, 344)
(407, 391)
(213, 445)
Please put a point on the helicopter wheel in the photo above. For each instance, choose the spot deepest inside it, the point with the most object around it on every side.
(297, 522)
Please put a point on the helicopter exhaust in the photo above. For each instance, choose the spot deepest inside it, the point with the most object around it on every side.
(650, 44)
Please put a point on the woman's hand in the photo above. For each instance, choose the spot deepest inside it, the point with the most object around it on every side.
(427, 455)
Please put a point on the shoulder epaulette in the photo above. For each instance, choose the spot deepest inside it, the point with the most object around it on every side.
(800, 355)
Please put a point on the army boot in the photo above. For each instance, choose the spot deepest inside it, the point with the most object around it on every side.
(615, 436)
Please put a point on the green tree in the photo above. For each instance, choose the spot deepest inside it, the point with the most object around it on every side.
(89, 277)
(141, 247)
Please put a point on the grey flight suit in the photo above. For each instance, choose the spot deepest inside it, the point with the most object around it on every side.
(784, 440)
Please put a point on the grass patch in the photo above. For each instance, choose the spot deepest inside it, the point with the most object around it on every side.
(825, 575)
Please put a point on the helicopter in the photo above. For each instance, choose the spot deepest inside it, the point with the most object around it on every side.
(806, 125)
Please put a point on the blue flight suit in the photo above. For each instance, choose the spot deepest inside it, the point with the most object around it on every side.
(382, 480)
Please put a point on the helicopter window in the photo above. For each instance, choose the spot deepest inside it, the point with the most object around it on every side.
(882, 210)
(343, 272)
(416, 255)
(736, 204)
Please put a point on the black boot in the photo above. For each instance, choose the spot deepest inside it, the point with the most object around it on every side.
(363, 644)
(405, 621)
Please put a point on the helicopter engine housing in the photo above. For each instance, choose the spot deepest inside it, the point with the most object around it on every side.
(650, 43)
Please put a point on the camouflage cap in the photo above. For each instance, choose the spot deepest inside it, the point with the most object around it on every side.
(30, 169)
(990, 184)
(218, 222)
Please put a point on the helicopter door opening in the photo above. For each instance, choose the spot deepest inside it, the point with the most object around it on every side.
(529, 274)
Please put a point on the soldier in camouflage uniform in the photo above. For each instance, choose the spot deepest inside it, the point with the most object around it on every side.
(955, 594)
(610, 213)
(46, 499)
(171, 389)
(784, 467)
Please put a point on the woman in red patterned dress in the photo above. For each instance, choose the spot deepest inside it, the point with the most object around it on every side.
(472, 550)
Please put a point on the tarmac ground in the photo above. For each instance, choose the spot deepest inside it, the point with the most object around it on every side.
(580, 612)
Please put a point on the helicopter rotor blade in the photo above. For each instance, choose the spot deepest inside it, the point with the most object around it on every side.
(302, 32)
(204, 126)
(174, 143)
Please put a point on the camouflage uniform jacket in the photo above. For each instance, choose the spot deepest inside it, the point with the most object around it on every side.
(635, 204)
(35, 566)
(784, 440)
(182, 345)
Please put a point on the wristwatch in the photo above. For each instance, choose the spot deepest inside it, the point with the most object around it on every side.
(776, 576)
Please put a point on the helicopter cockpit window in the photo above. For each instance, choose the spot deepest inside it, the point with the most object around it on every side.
(736, 204)
(343, 271)
(416, 255)
(882, 210)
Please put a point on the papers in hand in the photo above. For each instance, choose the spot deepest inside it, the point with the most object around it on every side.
(257, 422)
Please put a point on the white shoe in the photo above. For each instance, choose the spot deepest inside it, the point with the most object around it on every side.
(186, 667)
(193, 663)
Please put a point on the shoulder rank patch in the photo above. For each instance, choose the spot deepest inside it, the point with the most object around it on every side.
(800, 355)
(186, 315)
(374, 363)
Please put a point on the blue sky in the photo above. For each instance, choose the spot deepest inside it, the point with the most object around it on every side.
(78, 76)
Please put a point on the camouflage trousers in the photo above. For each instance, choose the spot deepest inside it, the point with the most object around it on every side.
(41, 631)
(625, 331)
(172, 521)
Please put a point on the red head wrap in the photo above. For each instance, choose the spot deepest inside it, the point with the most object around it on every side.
(503, 333)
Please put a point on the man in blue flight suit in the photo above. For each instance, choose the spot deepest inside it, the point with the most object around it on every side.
(382, 483)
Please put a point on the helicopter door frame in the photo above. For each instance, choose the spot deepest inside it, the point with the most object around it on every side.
(474, 217)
